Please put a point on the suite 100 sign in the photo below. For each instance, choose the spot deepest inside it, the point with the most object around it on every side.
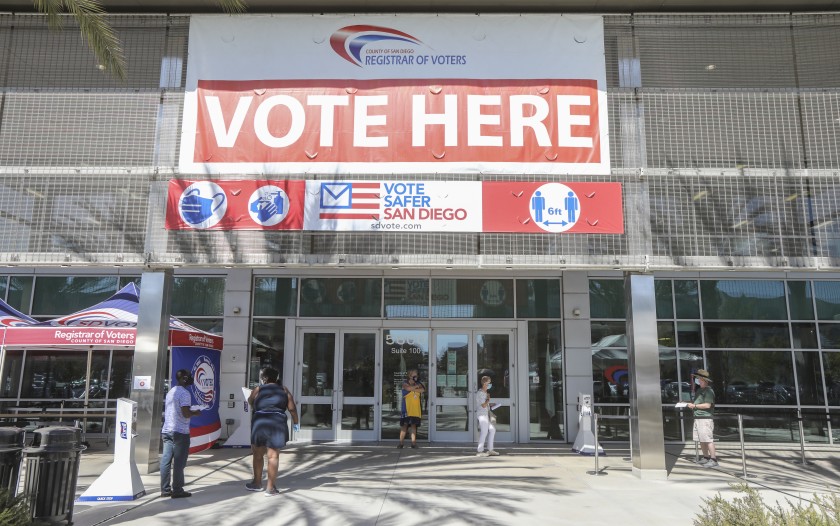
(402, 345)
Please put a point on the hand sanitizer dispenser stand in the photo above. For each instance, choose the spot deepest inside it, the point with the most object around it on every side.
(121, 481)
(585, 441)
(241, 437)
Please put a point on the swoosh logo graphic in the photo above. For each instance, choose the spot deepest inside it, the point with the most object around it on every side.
(349, 41)
(84, 316)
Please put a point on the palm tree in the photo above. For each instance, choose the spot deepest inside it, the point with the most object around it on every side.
(101, 39)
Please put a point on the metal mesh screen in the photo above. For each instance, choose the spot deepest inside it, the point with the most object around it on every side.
(820, 112)
(737, 215)
(73, 218)
(79, 129)
(42, 59)
(723, 132)
(709, 129)
(735, 51)
(817, 41)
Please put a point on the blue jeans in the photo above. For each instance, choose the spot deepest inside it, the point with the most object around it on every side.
(176, 448)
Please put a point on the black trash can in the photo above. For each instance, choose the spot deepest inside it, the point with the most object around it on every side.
(52, 468)
(11, 445)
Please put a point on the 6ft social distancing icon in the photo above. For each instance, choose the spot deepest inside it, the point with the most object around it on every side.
(554, 207)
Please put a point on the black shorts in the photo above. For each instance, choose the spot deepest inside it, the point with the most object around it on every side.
(410, 421)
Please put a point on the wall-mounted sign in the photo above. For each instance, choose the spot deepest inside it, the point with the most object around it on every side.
(397, 206)
(142, 383)
(405, 93)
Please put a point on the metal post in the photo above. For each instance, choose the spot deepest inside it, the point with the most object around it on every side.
(597, 471)
(630, 434)
(150, 361)
(743, 453)
(595, 416)
(697, 450)
(801, 437)
(643, 368)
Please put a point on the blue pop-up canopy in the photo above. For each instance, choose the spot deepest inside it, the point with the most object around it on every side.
(112, 324)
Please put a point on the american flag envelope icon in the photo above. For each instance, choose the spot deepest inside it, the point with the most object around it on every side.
(336, 195)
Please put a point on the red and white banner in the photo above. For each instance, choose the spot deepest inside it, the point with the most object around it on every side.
(396, 94)
(69, 336)
(405, 206)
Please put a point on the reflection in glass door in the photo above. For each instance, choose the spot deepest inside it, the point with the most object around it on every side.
(356, 396)
(453, 382)
(316, 370)
(493, 359)
(461, 359)
(337, 398)
(403, 350)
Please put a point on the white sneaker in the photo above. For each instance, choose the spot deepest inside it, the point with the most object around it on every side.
(493, 453)
(483, 454)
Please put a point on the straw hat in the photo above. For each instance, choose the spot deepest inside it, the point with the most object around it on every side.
(704, 374)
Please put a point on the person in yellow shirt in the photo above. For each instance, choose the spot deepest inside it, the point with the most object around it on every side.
(411, 407)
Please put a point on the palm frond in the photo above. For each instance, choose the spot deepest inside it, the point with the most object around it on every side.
(51, 8)
(232, 6)
(101, 39)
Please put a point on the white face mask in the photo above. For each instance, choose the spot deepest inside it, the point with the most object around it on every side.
(697, 381)
(489, 386)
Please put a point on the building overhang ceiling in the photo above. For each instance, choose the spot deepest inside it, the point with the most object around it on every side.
(487, 6)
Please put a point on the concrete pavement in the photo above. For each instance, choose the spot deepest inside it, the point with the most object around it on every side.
(367, 484)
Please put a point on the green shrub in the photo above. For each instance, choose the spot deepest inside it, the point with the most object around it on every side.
(750, 510)
(14, 511)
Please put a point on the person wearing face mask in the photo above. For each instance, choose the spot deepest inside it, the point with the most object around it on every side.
(704, 413)
(175, 434)
(482, 412)
(412, 411)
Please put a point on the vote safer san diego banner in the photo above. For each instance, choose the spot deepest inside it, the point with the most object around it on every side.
(396, 206)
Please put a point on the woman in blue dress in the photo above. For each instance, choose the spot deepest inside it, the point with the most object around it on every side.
(269, 427)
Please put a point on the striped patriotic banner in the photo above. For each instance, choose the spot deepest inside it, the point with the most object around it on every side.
(350, 200)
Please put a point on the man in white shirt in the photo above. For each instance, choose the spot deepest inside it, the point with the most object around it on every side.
(175, 434)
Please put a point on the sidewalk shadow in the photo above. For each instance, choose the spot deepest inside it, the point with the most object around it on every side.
(363, 486)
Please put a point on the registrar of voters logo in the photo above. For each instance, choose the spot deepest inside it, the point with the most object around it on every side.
(204, 376)
(554, 207)
(349, 42)
(369, 46)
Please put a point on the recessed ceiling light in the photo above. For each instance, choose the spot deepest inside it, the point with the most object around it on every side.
(711, 67)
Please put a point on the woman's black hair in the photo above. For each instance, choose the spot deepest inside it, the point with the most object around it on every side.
(269, 375)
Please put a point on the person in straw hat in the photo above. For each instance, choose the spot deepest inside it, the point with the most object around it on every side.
(704, 413)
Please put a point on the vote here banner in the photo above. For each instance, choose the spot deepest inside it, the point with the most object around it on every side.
(395, 94)
(434, 122)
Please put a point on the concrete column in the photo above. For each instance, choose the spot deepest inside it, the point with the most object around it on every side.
(577, 345)
(237, 332)
(150, 359)
(647, 438)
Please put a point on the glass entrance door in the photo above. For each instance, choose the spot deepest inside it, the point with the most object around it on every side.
(337, 374)
(403, 350)
(460, 359)
(453, 385)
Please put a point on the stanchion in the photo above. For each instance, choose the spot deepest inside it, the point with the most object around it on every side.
(597, 471)
(629, 436)
(801, 437)
(743, 452)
